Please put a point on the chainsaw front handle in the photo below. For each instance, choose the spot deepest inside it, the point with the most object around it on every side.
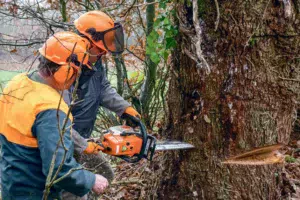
(143, 134)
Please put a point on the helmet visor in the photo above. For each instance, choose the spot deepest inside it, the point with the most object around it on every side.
(113, 39)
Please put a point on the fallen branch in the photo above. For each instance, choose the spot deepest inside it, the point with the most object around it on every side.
(129, 181)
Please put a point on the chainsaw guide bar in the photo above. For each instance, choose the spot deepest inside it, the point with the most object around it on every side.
(172, 145)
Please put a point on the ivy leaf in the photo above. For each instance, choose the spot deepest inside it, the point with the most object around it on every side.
(158, 21)
(166, 21)
(165, 55)
(154, 57)
(170, 33)
(163, 5)
(153, 36)
(150, 48)
(170, 43)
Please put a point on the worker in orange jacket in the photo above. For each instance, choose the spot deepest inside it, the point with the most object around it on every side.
(31, 116)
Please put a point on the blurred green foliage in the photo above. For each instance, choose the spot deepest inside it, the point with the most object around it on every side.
(5, 76)
(290, 159)
(162, 38)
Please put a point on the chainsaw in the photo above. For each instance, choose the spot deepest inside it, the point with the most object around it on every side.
(132, 145)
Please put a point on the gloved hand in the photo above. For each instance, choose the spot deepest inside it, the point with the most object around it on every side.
(131, 116)
(100, 185)
(93, 148)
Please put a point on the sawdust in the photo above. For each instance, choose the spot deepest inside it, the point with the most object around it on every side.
(259, 156)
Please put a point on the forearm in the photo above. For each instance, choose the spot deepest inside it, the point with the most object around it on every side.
(109, 98)
(80, 143)
(113, 101)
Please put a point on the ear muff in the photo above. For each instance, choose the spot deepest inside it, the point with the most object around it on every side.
(61, 76)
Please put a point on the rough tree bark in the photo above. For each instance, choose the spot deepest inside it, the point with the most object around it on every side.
(245, 101)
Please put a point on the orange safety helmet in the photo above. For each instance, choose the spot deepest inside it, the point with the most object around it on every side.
(102, 31)
(58, 49)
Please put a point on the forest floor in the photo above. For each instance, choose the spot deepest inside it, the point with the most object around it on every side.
(135, 181)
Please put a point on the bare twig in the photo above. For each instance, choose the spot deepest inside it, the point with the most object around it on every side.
(50, 180)
(218, 15)
(128, 181)
(135, 55)
(74, 98)
(67, 174)
(21, 45)
(30, 67)
(129, 9)
(146, 4)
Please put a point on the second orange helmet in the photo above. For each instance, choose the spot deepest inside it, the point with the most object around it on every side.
(101, 30)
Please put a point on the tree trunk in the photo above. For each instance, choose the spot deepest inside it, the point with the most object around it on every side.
(150, 70)
(241, 100)
(63, 10)
(120, 75)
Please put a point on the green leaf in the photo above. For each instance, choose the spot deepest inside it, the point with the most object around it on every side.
(150, 47)
(149, 50)
(153, 35)
(163, 5)
(158, 21)
(136, 75)
(165, 55)
(290, 159)
(166, 21)
(170, 33)
(154, 57)
(170, 43)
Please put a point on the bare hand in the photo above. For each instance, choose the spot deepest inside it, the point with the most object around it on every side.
(100, 185)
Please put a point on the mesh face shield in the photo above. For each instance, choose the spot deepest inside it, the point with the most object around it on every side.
(113, 39)
(75, 63)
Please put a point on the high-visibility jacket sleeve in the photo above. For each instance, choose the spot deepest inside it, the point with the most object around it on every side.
(46, 130)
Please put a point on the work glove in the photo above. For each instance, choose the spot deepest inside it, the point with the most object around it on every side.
(100, 185)
(93, 148)
(131, 116)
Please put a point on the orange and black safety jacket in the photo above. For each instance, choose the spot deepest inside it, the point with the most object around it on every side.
(29, 135)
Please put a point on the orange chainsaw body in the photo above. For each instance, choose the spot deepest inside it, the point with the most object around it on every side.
(120, 141)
